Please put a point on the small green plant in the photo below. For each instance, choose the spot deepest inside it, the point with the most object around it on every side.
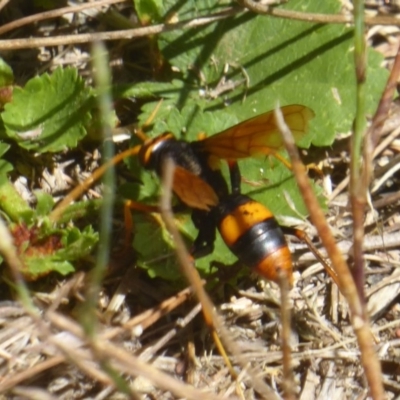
(50, 114)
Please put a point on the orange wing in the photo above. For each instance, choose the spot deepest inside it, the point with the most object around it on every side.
(193, 191)
(258, 135)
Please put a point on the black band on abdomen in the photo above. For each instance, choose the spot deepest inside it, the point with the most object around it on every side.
(258, 242)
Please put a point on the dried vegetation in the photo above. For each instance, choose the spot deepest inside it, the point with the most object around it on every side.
(151, 336)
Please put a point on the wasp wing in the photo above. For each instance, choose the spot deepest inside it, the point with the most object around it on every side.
(258, 135)
(192, 190)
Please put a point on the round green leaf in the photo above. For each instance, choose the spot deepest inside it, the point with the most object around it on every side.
(50, 113)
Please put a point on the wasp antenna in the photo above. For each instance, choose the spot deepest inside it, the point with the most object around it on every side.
(80, 189)
(148, 121)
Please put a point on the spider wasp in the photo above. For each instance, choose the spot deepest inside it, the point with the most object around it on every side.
(247, 227)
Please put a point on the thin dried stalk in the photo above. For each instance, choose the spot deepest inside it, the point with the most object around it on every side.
(128, 34)
(360, 321)
(211, 318)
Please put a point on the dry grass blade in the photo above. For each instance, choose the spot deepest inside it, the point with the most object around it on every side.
(381, 114)
(261, 8)
(288, 382)
(3, 3)
(185, 259)
(129, 364)
(16, 379)
(127, 34)
(54, 14)
(26, 43)
(61, 334)
(359, 317)
(212, 319)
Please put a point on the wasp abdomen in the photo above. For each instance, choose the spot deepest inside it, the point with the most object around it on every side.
(252, 233)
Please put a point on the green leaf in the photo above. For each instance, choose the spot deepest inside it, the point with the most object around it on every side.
(14, 206)
(282, 60)
(37, 267)
(77, 244)
(151, 89)
(81, 209)
(44, 249)
(45, 203)
(50, 113)
(3, 148)
(6, 74)
(5, 166)
(156, 250)
(148, 10)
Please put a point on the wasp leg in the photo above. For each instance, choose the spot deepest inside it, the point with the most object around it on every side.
(235, 176)
(288, 165)
(283, 160)
(203, 245)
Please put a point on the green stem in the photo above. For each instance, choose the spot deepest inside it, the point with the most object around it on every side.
(103, 81)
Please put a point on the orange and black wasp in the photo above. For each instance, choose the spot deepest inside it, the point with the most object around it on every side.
(247, 227)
